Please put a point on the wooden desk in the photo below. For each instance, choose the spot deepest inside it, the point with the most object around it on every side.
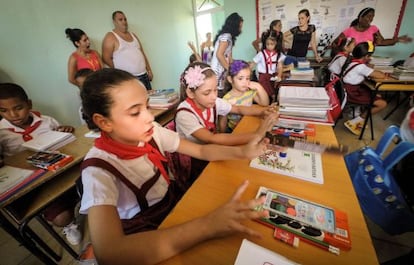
(390, 85)
(220, 179)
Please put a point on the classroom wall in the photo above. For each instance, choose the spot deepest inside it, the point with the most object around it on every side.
(34, 50)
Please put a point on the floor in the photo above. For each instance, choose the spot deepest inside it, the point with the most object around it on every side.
(388, 248)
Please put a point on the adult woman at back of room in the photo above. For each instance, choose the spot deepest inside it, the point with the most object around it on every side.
(223, 47)
(361, 30)
(301, 37)
(83, 57)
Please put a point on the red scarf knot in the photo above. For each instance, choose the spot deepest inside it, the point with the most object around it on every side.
(124, 151)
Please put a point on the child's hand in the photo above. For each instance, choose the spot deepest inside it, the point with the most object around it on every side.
(256, 147)
(255, 86)
(271, 109)
(268, 123)
(65, 128)
(227, 218)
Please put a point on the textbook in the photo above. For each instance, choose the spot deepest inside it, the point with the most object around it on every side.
(49, 160)
(301, 164)
(314, 225)
(13, 179)
(51, 140)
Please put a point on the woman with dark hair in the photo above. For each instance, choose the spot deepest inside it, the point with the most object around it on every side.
(275, 30)
(361, 30)
(83, 57)
(300, 37)
(223, 46)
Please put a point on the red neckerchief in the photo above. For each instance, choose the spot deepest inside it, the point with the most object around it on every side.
(211, 126)
(268, 59)
(360, 61)
(124, 151)
(26, 133)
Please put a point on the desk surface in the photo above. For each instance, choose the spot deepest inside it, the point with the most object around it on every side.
(220, 179)
(390, 84)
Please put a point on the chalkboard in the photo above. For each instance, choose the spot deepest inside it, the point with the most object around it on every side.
(330, 17)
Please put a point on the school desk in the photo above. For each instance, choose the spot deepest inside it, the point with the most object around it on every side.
(220, 179)
(387, 85)
(22, 207)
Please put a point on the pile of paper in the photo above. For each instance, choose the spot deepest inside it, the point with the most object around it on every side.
(305, 104)
(163, 98)
(403, 73)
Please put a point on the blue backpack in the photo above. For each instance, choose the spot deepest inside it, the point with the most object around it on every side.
(378, 192)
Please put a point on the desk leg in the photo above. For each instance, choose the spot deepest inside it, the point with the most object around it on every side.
(369, 116)
(58, 238)
(28, 244)
(28, 234)
(396, 106)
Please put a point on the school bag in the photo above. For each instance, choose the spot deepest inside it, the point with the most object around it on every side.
(378, 192)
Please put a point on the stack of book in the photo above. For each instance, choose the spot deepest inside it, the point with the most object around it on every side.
(306, 74)
(304, 104)
(49, 160)
(163, 98)
(51, 140)
(403, 73)
(379, 61)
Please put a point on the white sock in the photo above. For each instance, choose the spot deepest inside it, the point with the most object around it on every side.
(357, 119)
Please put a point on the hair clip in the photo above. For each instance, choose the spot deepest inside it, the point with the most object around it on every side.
(194, 76)
(236, 66)
(370, 46)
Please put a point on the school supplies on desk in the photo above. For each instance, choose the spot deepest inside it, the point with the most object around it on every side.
(50, 140)
(319, 225)
(295, 163)
(49, 160)
(13, 179)
(300, 142)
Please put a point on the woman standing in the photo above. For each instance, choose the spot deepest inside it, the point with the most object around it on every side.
(362, 30)
(300, 37)
(207, 49)
(223, 46)
(83, 57)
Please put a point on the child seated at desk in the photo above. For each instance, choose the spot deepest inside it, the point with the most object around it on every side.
(19, 124)
(197, 116)
(343, 49)
(356, 70)
(242, 92)
(128, 155)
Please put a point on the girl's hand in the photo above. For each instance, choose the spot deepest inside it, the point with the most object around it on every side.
(65, 128)
(227, 218)
(404, 39)
(268, 123)
(318, 58)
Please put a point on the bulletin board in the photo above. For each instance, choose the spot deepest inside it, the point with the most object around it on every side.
(330, 17)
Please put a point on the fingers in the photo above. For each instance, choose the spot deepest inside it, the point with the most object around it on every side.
(240, 190)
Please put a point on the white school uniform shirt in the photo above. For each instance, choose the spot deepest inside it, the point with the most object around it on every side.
(187, 123)
(260, 61)
(358, 74)
(102, 188)
(11, 142)
(335, 66)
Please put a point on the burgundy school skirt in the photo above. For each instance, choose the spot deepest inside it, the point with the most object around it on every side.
(358, 94)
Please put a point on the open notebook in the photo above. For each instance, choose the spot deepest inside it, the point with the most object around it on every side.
(251, 253)
(51, 140)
